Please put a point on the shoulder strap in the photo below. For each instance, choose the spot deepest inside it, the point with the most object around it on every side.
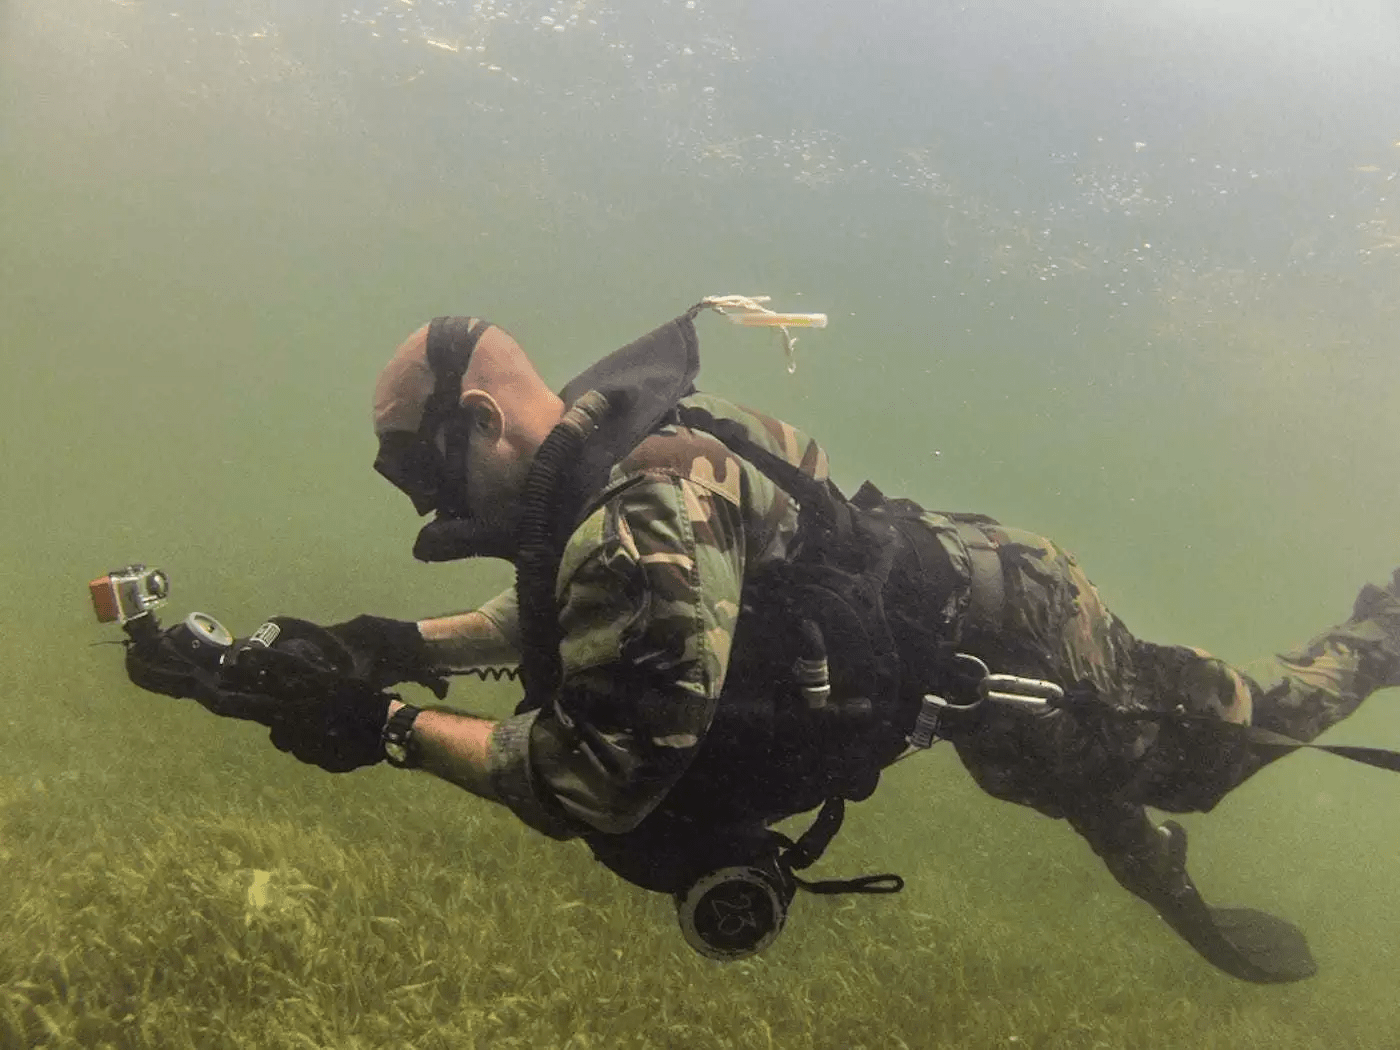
(816, 498)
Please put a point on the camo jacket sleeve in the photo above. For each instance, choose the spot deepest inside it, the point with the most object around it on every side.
(648, 591)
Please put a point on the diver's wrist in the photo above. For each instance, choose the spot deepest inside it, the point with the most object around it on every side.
(397, 737)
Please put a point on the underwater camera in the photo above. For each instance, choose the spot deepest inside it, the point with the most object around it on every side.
(124, 594)
(198, 658)
(130, 595)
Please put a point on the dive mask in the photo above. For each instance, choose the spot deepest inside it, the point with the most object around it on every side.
(429, 465)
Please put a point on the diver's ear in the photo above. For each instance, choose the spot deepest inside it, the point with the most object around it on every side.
(488, 419)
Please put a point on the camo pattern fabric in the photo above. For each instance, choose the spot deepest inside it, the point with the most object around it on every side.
(648, 591)
(1303, 692)
(1070, 761)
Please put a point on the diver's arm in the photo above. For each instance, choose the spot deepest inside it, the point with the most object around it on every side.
(465, 640)
(485, 637)
(454, 747)
(650, 591)
(648, 610)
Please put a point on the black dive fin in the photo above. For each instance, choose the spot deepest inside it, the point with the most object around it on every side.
(1274, 946)
(1245, 943)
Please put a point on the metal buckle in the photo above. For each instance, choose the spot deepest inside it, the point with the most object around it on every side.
(926, 726)
(1036, 693)
(976, 683)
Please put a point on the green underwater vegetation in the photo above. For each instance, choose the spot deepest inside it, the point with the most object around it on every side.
(1124, 274)
(221, 896)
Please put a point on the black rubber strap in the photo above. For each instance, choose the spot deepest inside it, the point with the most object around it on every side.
(807, 849)
(451, 342)
(887, 883)
(398, 730)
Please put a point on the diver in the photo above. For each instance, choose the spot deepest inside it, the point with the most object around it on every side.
(712, 638)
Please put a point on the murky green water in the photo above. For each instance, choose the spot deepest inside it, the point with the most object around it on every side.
(1127, 280)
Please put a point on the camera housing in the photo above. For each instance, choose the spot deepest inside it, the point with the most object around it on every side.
(124, 594)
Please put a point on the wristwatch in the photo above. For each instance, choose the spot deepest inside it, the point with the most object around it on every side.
(397, 737)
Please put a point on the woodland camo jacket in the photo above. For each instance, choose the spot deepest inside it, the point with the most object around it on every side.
(648, 594)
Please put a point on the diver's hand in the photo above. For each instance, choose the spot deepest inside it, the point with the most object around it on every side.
(158, 663)
(338, 729)
(317, 703)
(387, 652)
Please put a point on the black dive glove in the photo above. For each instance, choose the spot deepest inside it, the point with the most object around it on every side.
(338, 731)
(318, 689)
(386, 652)
(320, 709)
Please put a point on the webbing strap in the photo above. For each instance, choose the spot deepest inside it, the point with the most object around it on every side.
(1084, 697)
(811, 494)
(806, 850)
(987, 586)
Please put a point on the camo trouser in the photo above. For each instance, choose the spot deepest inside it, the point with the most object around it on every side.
(1055, 626)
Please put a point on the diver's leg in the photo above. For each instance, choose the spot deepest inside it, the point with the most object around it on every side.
(1306, 691)
(1149, 861)
(1054, 626)
(1099, 769)
(1191, 766)
(1186, 765)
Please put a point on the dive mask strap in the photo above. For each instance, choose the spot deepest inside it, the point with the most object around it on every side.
(411, 460)
(451, 342)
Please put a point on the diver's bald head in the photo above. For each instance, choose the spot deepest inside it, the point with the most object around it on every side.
(499, 389)
(498, 365)
(404, 386)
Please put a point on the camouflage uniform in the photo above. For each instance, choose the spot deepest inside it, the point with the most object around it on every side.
(649, 590)
(1078, 763)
